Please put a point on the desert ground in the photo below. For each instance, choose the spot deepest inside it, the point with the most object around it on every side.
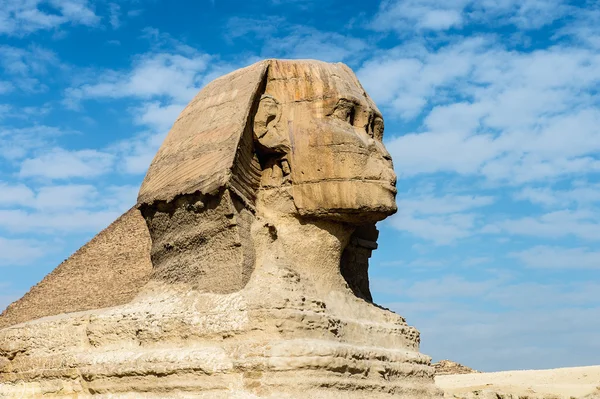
(567, 383)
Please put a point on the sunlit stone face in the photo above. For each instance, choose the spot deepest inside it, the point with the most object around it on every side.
(339, 165)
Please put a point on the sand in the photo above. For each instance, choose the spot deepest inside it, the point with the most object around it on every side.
(575, 382)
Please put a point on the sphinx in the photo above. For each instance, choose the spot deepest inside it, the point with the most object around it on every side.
(253, 230)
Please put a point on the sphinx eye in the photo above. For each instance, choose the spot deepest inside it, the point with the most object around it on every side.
(369, 125)
(344, 110)
(377, 128)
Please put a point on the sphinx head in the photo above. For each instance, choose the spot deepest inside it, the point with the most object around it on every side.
(295, 137)
(317, 130)
(305, 125)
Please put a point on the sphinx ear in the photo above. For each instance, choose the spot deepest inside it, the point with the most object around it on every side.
(266, 121)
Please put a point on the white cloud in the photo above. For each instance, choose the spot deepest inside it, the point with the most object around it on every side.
(134, 13)
(582, 193)
(58, 163)
(442, 230)
(584, 224)
(442, 220)
(77, 11)
(546, 296)
(443, 205)
(62, 209)
(302, 4)
(66, 197)
(25, 66)
(512, 117)
(304, 42)
(585, 28)
(526, 338)
(504, 291)
(136, 154)
(165, 81)
(499, 324)
(417, 263)
(401, 15)
(238, 27)
(285, 40)
(407, 16)
(175, 76)
(157, 116)
(476, 261)
(405, 79)
(64, 222)
(15, 194)
(17, 143)
(120, 197)
(447, 286)
(115, 12)
(546, 257)
(6, 87)
(19, 252)
(21, 17)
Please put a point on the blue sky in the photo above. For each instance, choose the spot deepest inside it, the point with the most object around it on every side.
(492, 116)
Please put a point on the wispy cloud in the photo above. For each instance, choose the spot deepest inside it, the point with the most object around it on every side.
(546, 257)
(442, 219)
(18, 252)
(65, 222)
(27, 67)
(59, 163)
(114, 15)
(282, 39)
(176, 76)
(19, 18)
(17, 143)
(581, 193)
(509, 116)
(511, 324)
(582, 224)
(406, 16)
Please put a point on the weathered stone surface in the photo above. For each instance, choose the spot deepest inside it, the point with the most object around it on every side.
(201, 149)
(261, 207)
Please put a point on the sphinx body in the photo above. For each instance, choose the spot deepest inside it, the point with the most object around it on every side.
(260, 211)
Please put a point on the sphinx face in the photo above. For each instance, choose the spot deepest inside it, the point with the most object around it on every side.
(339, 166)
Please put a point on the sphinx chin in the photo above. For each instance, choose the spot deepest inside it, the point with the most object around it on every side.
(351, 201)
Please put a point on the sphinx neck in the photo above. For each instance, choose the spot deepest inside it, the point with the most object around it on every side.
(310, 247)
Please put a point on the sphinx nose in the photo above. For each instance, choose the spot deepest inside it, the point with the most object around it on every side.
(386, 155)
(377, 146)
(390, 176)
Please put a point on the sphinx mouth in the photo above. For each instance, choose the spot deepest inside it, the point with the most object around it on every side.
(389, 185)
